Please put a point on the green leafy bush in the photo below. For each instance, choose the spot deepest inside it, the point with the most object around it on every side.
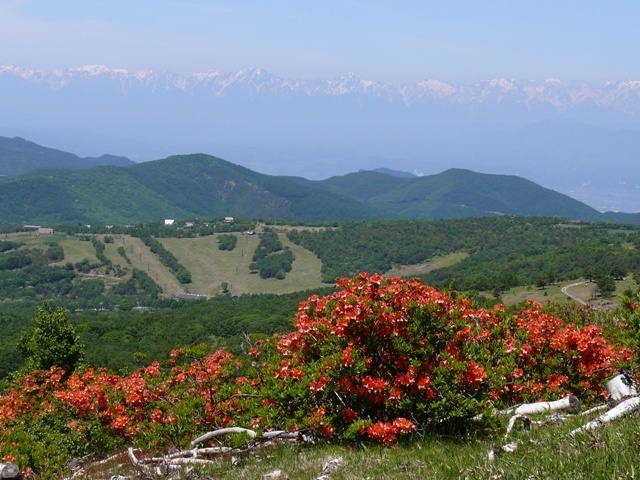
(227, 242)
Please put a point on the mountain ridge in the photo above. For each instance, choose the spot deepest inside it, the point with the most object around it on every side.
(622, 95)
(18, 156)
(203, 186)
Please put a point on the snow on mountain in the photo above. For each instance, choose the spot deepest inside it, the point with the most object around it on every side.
(620, 95)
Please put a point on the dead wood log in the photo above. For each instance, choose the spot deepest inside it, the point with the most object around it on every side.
(512, 422)
(623, 408)
(9, 470)
(569, 403)
(620, 387)
(220, 432)
(328, 468)
(597, 408)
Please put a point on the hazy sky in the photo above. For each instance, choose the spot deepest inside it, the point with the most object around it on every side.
(390, 41)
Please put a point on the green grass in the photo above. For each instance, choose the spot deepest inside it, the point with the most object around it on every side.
(408, 271)
(547, 452)
(551, 293)
(211, 267)
(142, 259)
(77, 250)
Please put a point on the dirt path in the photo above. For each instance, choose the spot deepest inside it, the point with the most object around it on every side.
(575, 298)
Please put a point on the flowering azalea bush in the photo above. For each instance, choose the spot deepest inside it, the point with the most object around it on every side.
(377, 359)
(382, 357)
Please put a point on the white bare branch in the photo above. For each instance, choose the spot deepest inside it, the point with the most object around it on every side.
(569, 403)
(220, 432)
(623, 408)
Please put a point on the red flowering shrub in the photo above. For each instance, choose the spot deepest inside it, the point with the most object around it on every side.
(377, 359)
(94, 411)
(386, 356)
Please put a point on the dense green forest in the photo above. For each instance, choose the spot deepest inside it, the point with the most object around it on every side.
(122, 340)
(503, 252)
(126, 319)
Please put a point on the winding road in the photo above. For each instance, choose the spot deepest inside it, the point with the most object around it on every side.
(565, 290)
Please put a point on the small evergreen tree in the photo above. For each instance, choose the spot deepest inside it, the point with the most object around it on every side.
(53, 342)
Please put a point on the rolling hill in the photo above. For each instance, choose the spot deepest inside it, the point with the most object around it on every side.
(203, 186)
(458, 193)
(18, 156)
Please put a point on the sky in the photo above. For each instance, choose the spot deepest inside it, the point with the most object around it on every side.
(398, 42)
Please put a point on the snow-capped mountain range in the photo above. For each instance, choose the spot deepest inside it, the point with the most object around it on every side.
(623, 94)
(578, 138)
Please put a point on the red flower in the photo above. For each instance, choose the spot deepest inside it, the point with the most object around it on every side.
(327, 431)
(319, 384)
(349, 415)
(383, 432)
(403, 425)
(347, 357)
(157, 416)
(374, 384)
(395, 393)
(475, 374)
(554, 381)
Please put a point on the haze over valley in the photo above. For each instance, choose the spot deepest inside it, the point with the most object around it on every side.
(581, 139)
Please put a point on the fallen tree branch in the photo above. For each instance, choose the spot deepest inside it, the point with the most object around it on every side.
(184, 459)
(220, 432)
(621, 387)
(512, 422)
(622, 409)
(569, 403)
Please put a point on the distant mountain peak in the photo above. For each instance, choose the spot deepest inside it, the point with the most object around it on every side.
(96, 70)
(622, 95)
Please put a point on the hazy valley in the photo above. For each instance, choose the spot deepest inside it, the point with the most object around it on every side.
(574, 137)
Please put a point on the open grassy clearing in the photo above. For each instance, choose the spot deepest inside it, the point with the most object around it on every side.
(288, 228)
(142, 259)
(408, 271)
(551, 293)
(581, 288)
(211, 267)
(111, 250)
(32, 238)
(77, 250)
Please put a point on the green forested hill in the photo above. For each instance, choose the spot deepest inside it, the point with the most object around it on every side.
(176, 187)
(202, 186)
(458, 193)
(18, 156)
